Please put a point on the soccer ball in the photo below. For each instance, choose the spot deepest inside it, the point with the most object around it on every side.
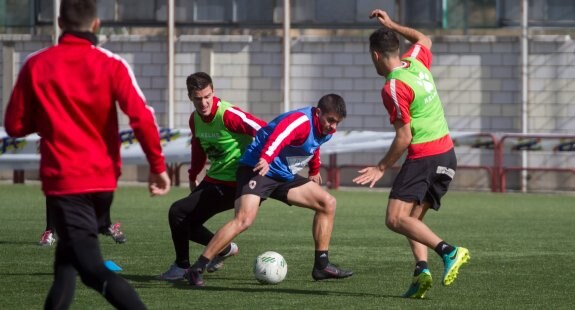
(270, 268)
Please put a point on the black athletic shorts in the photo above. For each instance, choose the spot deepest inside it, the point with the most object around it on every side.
(250, 182)
(425, 179)
(76, 217)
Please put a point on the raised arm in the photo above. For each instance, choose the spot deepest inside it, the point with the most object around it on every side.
(410, 34)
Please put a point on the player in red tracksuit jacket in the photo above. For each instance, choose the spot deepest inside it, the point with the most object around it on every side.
(67, 94)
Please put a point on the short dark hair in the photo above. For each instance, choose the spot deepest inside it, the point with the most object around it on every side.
(198, 81)
(332, 103)
(78, 14)
(384, 41)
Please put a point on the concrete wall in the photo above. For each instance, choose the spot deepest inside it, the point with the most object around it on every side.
(478, 79)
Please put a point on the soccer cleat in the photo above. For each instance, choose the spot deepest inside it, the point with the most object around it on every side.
(420, 285)
(173, 274)
(116, 233)
(218, 262)
(47, 238)
(452, 262)
(330, 272)
(194, 276)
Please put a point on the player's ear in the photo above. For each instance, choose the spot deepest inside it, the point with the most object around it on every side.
(375, 55)
(95, 26)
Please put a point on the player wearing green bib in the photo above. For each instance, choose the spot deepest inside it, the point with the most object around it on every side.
(415, 110)
(220, 133)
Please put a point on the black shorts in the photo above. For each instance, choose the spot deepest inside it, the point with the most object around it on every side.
(77, 217)
(425, 179)
(250, 182)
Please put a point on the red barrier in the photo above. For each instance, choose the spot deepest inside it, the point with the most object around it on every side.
(498, 153)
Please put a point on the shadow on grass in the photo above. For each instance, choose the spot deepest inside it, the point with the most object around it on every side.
(27, 274)
(251, 287)
(25, 243)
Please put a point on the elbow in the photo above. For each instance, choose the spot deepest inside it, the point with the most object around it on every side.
(14, 132)
(425, 41)
(405, 141)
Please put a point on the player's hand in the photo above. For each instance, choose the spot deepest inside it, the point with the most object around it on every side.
(193, 185)
(262, 167)
(382, 17)
(316, 178)
(368, 175)
(159, 184)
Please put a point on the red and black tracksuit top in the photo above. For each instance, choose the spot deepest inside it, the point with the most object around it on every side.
(67, 94)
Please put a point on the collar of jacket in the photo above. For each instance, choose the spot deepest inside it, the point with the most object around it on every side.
(91, 37)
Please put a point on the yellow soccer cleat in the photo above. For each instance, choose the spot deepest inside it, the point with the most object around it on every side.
(420, 285)
(452, 262)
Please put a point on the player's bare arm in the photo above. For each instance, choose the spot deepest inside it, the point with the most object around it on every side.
(159, 184)
(262, 167)
(410, 34)
(316, 178)
(398, 146)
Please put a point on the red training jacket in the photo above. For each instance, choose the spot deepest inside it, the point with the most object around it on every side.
(67, 93)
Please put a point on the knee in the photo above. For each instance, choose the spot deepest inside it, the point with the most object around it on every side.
(243, 224)
(94, 276)
(328, 204)
(176, 212)
(393, 222)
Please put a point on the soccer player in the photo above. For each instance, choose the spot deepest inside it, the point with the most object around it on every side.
(410, 97)
(269, 168)
(220, 133)
(67, 94)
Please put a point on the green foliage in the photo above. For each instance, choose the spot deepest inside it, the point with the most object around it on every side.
(521, 254)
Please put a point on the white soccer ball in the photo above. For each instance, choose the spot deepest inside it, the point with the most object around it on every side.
(270, 268)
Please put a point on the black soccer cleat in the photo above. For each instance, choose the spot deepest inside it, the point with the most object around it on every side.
(330, 272)
(194, 276)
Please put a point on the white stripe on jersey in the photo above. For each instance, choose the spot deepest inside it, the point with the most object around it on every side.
(392, 88)
(415, 52)
(130, 72)
(302, 119)
(245, 119)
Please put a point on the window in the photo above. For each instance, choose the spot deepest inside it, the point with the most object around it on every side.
(16, 13)
(422, 13)
(541, 13)
(463, 14)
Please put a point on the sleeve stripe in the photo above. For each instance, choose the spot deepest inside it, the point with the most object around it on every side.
(245, 119)
(302, 119)
(130, 72)
(392, 88)
(415, 52)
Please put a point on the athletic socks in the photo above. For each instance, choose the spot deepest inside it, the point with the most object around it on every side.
(321, 260)
(419, 267)
(225, 251)
(443, 248)
(201, 263)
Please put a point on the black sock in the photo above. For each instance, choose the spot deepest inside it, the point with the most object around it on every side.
(183, 263)
(201, 263)
(419, 267)
(226, 250)
(443, 248)
(321, 260)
